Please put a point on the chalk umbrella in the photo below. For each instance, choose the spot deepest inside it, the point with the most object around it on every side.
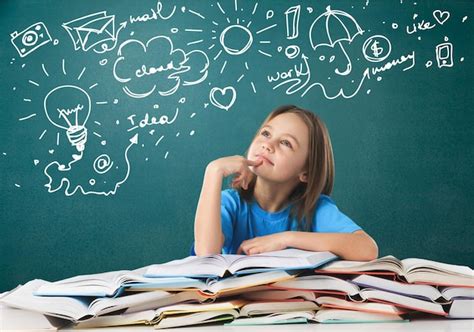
(332, 28)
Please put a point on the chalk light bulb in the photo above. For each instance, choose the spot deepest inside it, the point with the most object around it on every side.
(68, 107)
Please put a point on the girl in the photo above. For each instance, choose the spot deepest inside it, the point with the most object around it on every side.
(279, 196)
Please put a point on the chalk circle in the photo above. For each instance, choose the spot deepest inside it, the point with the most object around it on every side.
(270, 14)
(279, 48)
(92, 182)
(182, 100)
(292, 51)
(116, 101)
(322, 57)
(428, 63)
(103, 62)
(310, 10)
(55, 42)
(394, 26)
(174, 30)
(378, 41)
(331, 59)
(244, 34)
(156, 106)
(104, 142)
(102, 164)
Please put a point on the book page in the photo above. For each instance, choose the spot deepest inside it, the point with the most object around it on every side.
(194, 266)
(64, 307)
(411, 264)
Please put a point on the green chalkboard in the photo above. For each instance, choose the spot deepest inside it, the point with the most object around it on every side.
(111, 110)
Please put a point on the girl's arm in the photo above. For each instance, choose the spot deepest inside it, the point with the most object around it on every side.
(357, 246)
(208, 237)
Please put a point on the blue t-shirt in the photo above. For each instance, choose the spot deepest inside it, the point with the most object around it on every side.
(242, 220)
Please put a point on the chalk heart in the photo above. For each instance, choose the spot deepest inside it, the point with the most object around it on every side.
(223, 98)
(441, 16)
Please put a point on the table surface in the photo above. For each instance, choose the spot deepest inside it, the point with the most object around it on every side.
(424, 325)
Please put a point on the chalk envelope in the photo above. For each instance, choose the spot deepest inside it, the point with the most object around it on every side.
(88, 31)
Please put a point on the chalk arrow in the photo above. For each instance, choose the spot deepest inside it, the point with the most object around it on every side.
(134, 139)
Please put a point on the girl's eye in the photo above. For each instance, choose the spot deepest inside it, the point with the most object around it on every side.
(265, 133)
(287, 143)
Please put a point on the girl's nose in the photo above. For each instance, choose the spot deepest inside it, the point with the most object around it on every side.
(267, 146)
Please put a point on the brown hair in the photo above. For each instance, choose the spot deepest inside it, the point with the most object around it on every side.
(319, 167)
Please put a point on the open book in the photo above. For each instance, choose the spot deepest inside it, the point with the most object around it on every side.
(412, 270)
(326, 316)
(462, 308)
(171, 316)
(216, 287)
(96, 285)
(319, 284)
(376, 295)
(77, 309)
(223, 265)
(424, 292)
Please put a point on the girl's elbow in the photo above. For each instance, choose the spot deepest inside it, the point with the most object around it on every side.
(372, 251)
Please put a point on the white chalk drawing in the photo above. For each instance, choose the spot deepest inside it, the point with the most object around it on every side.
(171, 67)
(68, 107)
(441, 16)
(60, 179)
(292, 15)
(156, 14)
(103, 164)
(380, 48)
(292, 51)
(444, 54)
(332, 28)
(236, 39)
(217, 97)
(151, 120)
(30, 39)
(297, 77)
(214, 44)
(94, 31)
(419, 26)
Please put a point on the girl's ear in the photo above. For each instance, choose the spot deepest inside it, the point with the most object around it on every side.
(304, 177)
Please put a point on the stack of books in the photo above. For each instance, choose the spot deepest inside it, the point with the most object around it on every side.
(281, 287)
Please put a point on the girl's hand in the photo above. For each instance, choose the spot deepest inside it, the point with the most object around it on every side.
(235, 165)
(258, 245)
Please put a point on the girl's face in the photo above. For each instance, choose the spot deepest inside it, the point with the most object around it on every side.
(282, 144)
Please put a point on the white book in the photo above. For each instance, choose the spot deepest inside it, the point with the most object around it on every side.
(450, 293)
(425, 292)
(153, 317)
(222, 265)
(378, 308)
(413, 270)
(326, 316)
(330, 316)
(403, 301)
(275, 307)
(462, 309)
(95, 285)
(77, 309)
(216, 287)
(197, 318)
(319, 283)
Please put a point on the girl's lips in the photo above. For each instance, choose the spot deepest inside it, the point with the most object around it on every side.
(259, 157)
